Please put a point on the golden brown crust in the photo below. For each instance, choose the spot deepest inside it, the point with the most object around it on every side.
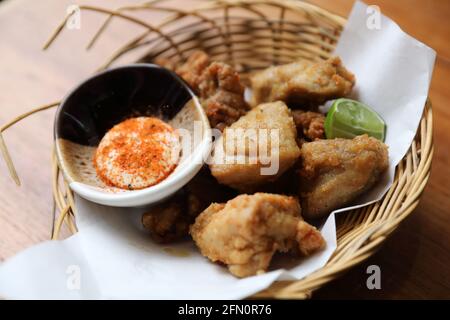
(217, 84)
(304, 83)
(191, 71)
(222, 95)
(246, 175)
(245, 232)
(170, 220)
(310, 125)
(335, 172)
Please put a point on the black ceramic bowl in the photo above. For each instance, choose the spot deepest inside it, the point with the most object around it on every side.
(110, 97)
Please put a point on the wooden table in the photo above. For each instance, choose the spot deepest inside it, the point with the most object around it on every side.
(414, 261)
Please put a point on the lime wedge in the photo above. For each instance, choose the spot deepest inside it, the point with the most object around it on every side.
(349, 118)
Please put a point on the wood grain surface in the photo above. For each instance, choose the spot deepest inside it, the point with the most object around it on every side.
(414, 262)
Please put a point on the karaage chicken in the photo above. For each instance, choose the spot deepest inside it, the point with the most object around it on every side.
(245, 232)
(310, 125)
(218, 86)
(256, 149)
(222, 95)
(304, 83)
(170, 220)
(277, 148)
(334, 172)
(191, 71)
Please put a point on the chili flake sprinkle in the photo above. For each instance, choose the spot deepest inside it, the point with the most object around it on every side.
(137, 153)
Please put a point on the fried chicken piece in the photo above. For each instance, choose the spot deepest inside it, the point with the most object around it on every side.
(192, 70)
(222, 95)
(245, 232)
(310, 125)
(170, 220)
(217, 84)
(304, 83)
(257, 149)
(335, 172)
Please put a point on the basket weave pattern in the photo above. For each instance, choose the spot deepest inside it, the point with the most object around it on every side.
(252, 35)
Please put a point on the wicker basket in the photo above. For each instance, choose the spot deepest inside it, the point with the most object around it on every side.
(252, 35)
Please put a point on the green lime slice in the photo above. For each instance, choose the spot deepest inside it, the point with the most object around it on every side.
(349, 118)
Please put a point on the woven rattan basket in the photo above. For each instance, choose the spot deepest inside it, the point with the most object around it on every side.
(252, 35)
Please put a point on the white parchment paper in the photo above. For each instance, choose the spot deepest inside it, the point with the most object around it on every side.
(111, 257)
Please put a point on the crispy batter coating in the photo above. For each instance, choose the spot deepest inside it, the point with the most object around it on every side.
(217, 84)
(274, 135)
(169, 221)
(191, 71)
(310, 125)
(335, 172)
(245, 232)
(222, 95)
(304, 83)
